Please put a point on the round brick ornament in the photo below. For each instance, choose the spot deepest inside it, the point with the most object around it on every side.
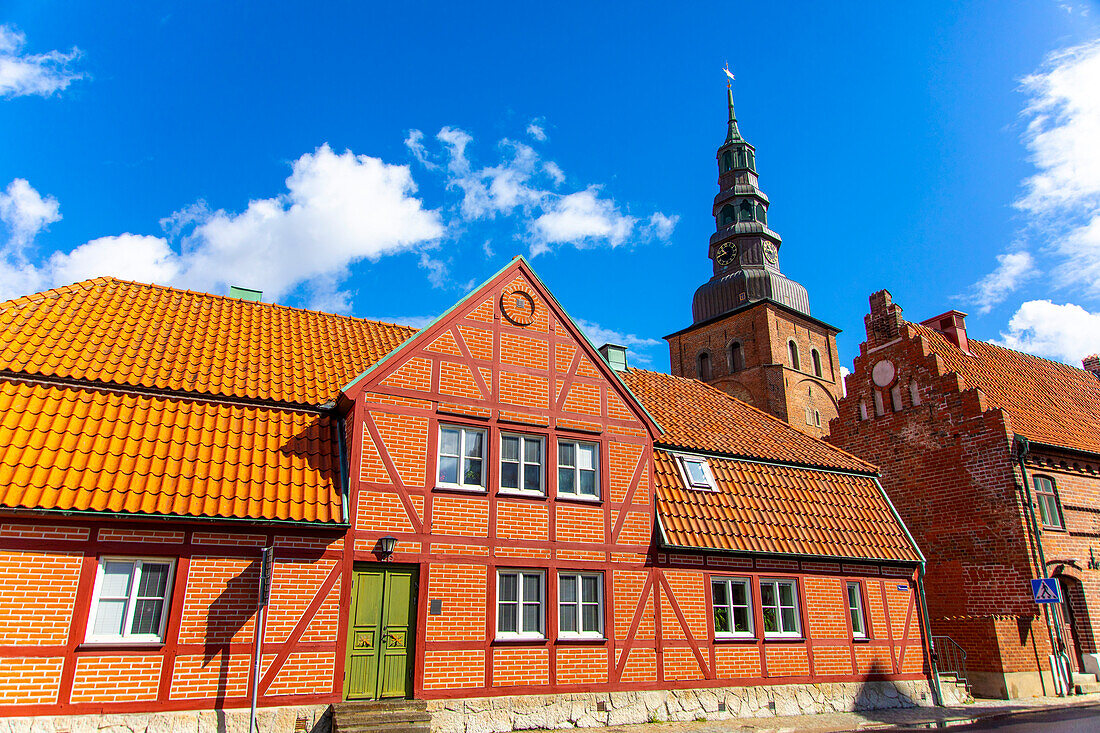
(518, 306)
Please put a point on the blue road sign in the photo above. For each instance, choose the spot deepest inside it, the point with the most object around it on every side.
(1045, 590)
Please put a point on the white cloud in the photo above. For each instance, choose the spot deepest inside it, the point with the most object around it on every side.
(1012, 269)
(638, 347)
(26, 213)
(1061, 202)
(536, 130)
(338, 209)
(582, 219)
(1064, 332)
(552, 169)
(660, 226)
(415, 143)
(844, 372)
(32, 74)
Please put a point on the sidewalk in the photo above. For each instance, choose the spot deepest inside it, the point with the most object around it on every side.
(867, 719)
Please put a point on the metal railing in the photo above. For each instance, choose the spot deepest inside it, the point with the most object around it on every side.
(950, 658)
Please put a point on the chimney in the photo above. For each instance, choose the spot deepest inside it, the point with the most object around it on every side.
(246, 293)
(1091, 363)
(614, 355)
(952, 325)
(884, 321)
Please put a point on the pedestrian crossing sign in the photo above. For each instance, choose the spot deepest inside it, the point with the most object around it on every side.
(1045, 590)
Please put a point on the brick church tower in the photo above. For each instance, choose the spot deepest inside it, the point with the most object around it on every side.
(752, 335)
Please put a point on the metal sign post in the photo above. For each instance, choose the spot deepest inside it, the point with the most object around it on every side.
(267, 562)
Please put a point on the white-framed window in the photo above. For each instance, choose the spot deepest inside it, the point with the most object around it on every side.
(521, 604)
(521, 463)
(732, 601)
(779, 604)
(1050, 512)
(579, 469)
(461, 457)
(697, 473)
(130, 599)
(855, 610)
(580, 605)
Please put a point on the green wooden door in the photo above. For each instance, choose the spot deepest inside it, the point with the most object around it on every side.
(381, 634)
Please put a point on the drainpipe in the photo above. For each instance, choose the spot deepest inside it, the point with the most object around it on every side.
(1022, 447)
(937, 693)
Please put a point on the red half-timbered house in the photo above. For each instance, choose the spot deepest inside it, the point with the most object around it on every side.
(485, 508)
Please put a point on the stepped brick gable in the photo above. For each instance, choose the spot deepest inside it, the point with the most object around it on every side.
(947, 419)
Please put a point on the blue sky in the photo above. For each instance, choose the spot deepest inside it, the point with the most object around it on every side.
(379, 159)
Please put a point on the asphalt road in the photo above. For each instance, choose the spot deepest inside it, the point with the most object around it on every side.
(1077, 719)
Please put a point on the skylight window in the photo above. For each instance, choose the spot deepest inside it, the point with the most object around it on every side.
(697, 473)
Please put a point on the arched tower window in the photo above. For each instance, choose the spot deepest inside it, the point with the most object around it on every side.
(761, 214)
(792, 350)
(752, 160)
(737, 356)
(727, 161)
(816, 356)
(746, 210)
(704, 366)
(741, 158)
(727, 215)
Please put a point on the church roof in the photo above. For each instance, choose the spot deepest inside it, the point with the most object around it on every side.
(1048, 402)
(778, 491)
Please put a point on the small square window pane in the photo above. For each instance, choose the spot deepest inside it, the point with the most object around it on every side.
(532, 617)
(146, 617)
(448, 470)
(532, 478)
(590, 618)
(532, 587)
(696, 472)
(719, 589)
(566, 454)
(567, 617)
(532, 451)
(474, 442)
(109, 617)
(586, 456)
(448, 442)
(116, 580)
(508, 584)
(588, 483)
(721, 619)
(509, 475)
(786, 594)
(857, 622)
(568, 588)
(590, 588)
(154, 580)
(509, 448)
(739, 593)
(472, 476)
(789, 622)
(771, 620)
(565, 481)
(767, 594)
(741, 620)
(506, 617)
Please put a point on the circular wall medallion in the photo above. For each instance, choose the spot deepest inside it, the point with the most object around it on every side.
(518, 306)
(883, 373)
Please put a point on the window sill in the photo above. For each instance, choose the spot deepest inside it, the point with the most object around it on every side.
(119, 644)
(566, 639)
(579, 499)
(860, 640)
(459, 490)
(1049, 528)
(533, 640)
(783, 639)
(727, 638)
(517, 494)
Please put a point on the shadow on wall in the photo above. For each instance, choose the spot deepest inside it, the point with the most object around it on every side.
(226, 617)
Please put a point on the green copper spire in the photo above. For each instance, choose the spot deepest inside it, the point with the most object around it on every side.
(734, 133)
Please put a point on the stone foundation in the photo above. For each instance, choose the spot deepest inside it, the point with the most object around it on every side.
(305, 718)
(591, 710)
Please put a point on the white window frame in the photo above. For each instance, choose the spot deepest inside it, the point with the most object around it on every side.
(782, 633)
(729, 582)
(519, 634)
(576, 493)
(126, 637)
(1051, 509)
(579, 605)
(857, 610)
(462, 458)
(523, 439)
(707, 484)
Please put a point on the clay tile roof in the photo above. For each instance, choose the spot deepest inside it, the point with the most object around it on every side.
(83, 449)
(1047, 402)
(696, 416)
(125, 333)
(776, 509)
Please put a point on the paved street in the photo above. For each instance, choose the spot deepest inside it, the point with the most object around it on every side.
(1075, 719)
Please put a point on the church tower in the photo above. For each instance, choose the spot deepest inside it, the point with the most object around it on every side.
(752, 335)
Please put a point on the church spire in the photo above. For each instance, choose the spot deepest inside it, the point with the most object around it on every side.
(734, 134)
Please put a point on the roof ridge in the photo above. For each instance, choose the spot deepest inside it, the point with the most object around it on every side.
(767, 415)
(54, 292)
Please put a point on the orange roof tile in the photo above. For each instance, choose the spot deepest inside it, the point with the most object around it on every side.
(777, 509)
(118, 332)
(1047, 402)
(696, 416)
(76, 449)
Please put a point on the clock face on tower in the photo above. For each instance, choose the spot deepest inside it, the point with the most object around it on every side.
(726, 254)
(771, 254)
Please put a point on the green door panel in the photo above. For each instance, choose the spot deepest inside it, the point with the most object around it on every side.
(381, 634)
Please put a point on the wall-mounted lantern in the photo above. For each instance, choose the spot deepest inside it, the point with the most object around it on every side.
(386, 546)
